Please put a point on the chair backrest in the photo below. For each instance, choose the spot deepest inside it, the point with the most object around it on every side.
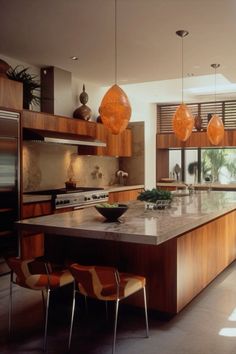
(95, 281)
(20, 268)
(30, 273)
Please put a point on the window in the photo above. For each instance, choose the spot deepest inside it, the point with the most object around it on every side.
(175, 164)
(201, 165)
(218, 165)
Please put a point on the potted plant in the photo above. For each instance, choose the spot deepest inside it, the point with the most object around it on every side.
(156, 198)
(30, 84)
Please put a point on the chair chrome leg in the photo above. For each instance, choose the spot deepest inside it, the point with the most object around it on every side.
(106, 310)
(115, 326)
(72, 319)
(10, 306)
(46, 321)
(43, 300)
(145, 309)
(86, 304)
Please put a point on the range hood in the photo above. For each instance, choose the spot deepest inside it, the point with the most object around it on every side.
(60, 138)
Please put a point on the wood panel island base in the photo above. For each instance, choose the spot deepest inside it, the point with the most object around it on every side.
(180, 250)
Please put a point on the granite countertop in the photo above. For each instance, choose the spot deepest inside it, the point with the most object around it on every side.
(41, 198)
(138, 225)
(216, 186)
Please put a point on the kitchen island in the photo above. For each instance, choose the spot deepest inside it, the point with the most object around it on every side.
(180, 250)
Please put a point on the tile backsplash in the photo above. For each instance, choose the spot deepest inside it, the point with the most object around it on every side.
(48, 166)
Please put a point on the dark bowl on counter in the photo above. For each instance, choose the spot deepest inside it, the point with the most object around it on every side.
(110, 212)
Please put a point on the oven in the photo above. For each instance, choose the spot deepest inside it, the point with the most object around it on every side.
(77, 198)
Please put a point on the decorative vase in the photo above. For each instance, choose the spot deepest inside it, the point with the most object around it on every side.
(209, 116)
(198, 123)
(83, 112)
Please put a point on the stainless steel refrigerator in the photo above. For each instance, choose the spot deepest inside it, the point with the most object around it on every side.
(9, 181)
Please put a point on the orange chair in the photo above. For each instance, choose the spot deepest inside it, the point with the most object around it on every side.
(36, 275)
(107, 284)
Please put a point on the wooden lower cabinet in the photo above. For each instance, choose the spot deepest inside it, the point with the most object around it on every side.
(32, 245)
(202, 254)
(31, 210)
(124, 196)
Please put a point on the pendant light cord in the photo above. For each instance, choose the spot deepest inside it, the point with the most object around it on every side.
(182, 34)
(115, 32)
(182, 70)
(215, 66)
(215, 90)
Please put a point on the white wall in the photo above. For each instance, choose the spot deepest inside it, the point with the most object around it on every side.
(142, 110)
(95, 92)
(33, 70)
(62, 92)
(145, 111)
(14, 62)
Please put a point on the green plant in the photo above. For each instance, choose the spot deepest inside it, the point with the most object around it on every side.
(154, 194)
(212, 162)
(30, 84)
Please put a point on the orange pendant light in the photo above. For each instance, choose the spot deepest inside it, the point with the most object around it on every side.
(215, 127)
(215, 130)
(183, 120)
(115, 110)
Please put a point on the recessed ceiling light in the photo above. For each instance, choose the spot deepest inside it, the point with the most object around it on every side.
(74, 58)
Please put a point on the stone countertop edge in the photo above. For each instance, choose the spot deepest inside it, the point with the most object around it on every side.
(138, 225)
(220, 186)
(42, 198)
(27, 199)
(117, 188)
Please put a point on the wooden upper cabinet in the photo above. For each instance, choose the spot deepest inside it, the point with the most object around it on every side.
(11, 94)
(117, 145)
(50, 122)
(197, 139)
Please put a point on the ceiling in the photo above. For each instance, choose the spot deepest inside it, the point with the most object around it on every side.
(48, 33)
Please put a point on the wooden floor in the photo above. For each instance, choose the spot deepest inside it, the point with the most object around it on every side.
(197, 329)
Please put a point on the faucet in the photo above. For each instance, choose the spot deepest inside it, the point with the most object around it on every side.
(122, 175)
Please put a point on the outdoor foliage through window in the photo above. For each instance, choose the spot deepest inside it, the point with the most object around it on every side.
(219, 165)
